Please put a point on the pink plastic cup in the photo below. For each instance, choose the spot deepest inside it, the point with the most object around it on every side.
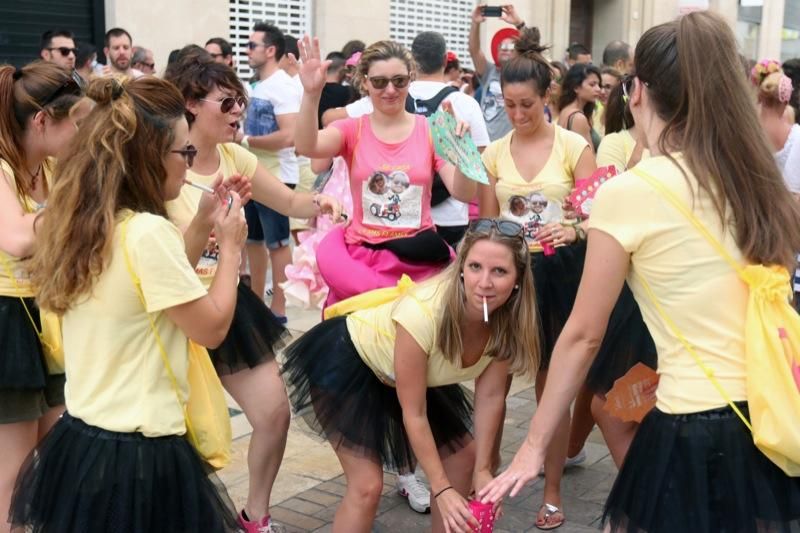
(548, 248)
(484, 514)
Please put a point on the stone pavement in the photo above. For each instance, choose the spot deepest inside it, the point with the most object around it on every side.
(310, 483)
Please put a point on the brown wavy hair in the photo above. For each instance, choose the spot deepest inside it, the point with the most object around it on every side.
(195, 74)
(116, 164)
(712, 120)
(515, 334)
(38, 86)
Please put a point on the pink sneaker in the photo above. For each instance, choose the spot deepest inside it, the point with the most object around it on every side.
(265, 525)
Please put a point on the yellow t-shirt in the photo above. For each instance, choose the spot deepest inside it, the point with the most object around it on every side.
(616, 149)
(233, 159)
(14, 276)
(373, 333)
(694, 285)
(116, 377)
(536, 202)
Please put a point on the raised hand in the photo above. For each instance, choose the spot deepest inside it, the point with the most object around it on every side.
(477, 14)
(510, 15)
(313, 70)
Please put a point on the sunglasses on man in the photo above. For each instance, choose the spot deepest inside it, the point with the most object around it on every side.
(64, 50)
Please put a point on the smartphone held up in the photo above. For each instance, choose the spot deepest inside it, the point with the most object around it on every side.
(492, 11)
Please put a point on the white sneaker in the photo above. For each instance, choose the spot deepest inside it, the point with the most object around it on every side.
(580, 458)
(418, 495)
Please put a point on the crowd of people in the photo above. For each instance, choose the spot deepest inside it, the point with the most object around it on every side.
(141, 210)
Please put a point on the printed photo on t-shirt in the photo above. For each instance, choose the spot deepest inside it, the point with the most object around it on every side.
(389, 199)
(493, 102)
(207, 266)
(532, 212)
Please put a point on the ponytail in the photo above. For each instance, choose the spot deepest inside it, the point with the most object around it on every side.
(117, 164)
(529, 65)
(692, 75)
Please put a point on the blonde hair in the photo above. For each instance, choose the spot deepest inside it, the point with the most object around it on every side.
(382, 51)
(514, 325)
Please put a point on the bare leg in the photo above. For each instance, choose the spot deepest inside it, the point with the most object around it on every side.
(458, 467)
(18, 440)
(498, 440)
(359, 506)
(556, 452)
(582, 421)
(257, 256)
(617, 434)
(261, 394)
(48, 420)
(280, 259)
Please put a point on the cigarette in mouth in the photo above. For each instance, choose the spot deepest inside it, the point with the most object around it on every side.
(203, 188)
(485, 311)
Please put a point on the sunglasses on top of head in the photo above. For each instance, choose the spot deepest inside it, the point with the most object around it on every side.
(381, 82)
(227, 103)
(507, 228)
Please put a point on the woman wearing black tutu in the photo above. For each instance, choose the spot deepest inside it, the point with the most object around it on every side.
(245, 361)
(40, 105)
(118, 459)
(539, 163)
(693, 465)
(382, 383)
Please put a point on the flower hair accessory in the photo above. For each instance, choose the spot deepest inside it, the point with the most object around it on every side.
(764, 68)
(785, 90)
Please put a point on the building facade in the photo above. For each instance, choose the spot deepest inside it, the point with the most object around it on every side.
(764, 28)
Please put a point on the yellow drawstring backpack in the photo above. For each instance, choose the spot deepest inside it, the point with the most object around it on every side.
(772, 350)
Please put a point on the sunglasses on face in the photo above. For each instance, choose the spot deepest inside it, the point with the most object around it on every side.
(227, 103)
(253, 45)
(64, 50)
(506, 47)
(151, 66)
(189, 152)
(503, 227)
(381, 82)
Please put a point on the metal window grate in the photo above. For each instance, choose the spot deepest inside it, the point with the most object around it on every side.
(451, 18)
(291, 16)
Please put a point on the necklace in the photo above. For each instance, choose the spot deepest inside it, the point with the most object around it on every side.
(35, 176)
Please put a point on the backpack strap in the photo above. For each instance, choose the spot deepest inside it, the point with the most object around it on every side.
(409, 105)
(676, 202)
(431, 105)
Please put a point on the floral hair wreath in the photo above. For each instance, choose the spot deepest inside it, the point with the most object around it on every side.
(762, 69)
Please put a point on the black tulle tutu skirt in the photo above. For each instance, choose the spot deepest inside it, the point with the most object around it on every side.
(556, 278)
(338, 397)
(701, 473)
(254, 337)
(22, 364)
(83, 479)
(626, 343)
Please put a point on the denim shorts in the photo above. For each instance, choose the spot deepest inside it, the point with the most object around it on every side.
(274, 226)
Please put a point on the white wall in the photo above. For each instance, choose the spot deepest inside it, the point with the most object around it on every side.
(164, 25)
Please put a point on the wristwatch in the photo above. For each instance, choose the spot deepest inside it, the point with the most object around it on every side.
(520, 25)
(580, 233)
(244, 142)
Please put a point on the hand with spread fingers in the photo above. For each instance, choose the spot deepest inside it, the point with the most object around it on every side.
(462, 127)
(313, 70)
(522, 470)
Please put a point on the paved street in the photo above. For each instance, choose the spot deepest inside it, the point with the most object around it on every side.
(310, 483)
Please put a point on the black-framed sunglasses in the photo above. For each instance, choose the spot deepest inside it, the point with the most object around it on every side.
(70, 86)
(188, 152)
(381, 82)
(251, 45)
(227, 103)
(64, 50)
(507, 228)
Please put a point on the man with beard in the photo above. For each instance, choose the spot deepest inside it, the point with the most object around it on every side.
(119, 50)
